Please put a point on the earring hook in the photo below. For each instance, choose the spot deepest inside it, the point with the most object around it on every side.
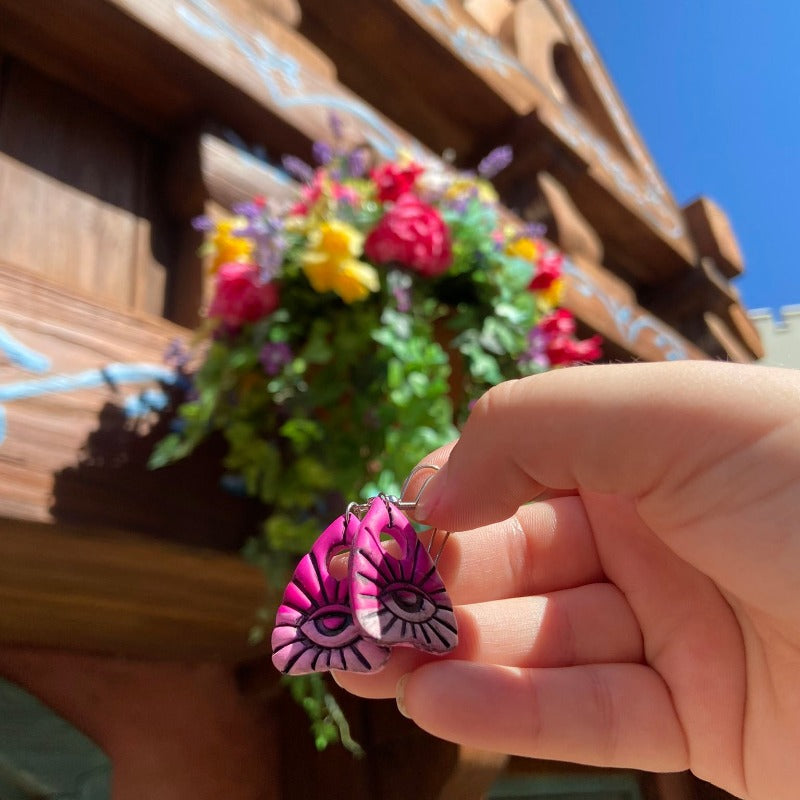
(400, 505)
(410, 505)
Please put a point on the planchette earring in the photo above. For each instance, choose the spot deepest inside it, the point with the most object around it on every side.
(398, 600)
(314, 628)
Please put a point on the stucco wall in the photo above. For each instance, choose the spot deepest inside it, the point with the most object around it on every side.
(780, 333)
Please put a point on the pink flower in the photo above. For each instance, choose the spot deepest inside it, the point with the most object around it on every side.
(393, 181)
(548, 270)
(241, 296)
(412, 234)
(311, 193)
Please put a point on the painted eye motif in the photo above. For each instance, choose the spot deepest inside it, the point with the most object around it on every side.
(408, 603)
(399, 601)
(314, 628)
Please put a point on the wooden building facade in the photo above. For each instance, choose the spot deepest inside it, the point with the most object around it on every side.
(122, 605)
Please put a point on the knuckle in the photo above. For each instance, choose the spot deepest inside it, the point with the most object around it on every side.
(606, 715)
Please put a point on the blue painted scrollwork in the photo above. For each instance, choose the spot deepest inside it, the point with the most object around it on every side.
(113, 376)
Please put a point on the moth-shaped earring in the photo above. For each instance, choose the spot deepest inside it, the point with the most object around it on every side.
(398, 600)
(314, 628)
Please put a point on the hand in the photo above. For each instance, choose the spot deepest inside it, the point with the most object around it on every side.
(649, 619)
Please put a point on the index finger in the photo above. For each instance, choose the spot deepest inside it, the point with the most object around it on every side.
(642, 430)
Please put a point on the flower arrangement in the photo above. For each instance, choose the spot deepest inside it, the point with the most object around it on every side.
(349, 332)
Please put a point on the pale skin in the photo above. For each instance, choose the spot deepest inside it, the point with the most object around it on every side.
(648, 614)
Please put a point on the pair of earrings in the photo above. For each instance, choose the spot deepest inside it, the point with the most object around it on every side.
(352, 623)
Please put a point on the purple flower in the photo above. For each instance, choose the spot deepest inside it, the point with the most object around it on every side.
(274, 356)
(176, 355)
(400, 285)
(323, 153)
(357, 162)
(203, 223)
(336, 125)
(459, 204)
(270, 243)
(298, 168)
(534, 230)
(402, 297)
(495, 162)
(537, 348)
(247, 209)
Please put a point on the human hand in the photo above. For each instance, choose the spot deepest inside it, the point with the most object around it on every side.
(649, 619)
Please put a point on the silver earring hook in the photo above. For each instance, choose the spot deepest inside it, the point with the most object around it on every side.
(410, 505)
(411, 474)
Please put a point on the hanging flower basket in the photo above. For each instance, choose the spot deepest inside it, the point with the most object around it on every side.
(349, 333)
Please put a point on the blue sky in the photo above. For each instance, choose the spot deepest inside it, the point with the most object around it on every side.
(714, 88)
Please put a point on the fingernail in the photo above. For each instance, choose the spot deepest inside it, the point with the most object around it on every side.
(430, 495)
(334, 674)
(400, 691)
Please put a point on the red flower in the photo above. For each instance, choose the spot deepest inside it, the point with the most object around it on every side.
(562, 350)
(414, 235)
(241, 296)
(548, 270)
(393, 181)
(559, 323)
(553, 340)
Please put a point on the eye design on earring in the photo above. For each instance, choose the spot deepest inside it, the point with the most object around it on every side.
(398, 600)
(314, 628)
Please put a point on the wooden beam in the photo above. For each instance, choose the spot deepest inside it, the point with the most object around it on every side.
(745, 329)
(168, 64)
(106, 592)
(606, 304)
(491, 15)
(704, 294)
(211, 163)
(714, 235)
(430, 67)
(77, 380)
(55, 353)
(731, 346)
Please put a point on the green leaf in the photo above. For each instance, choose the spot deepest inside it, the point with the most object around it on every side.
(395, 374)
(166, 451)
(418, 383)
(302, 433)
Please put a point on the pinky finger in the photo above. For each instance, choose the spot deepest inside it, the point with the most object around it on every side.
(613, 715)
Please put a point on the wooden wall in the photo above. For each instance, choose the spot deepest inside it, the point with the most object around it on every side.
(79, 192)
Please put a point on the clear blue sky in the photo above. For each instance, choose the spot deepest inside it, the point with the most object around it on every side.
(714, 88)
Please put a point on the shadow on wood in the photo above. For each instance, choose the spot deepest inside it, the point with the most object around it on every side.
(112, 486)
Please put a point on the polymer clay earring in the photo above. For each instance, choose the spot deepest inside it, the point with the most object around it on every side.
(398, 600)
(314, 628)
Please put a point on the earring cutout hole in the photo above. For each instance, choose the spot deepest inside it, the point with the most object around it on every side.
(390, 545)
(338, 562)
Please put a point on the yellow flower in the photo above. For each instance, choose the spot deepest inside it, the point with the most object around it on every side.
(464, 186)
(551, 297)
(227, 246)
(331, 262)
(355, 280)
(523, 247)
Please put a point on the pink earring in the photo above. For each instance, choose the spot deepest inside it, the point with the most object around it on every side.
(398, 600)
(314, 628)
